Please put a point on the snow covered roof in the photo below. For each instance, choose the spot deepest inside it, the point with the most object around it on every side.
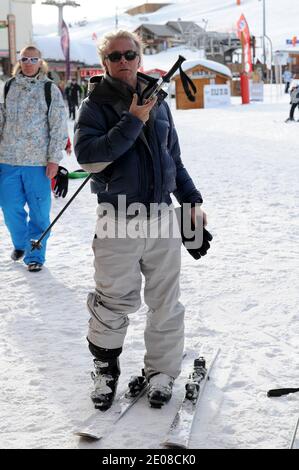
(160, 30)
(80, 51)
(184, 26)
(210, 64)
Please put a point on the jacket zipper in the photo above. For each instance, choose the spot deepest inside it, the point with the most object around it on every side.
(142, 178)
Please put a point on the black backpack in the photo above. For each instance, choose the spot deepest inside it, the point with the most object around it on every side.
(48, 85)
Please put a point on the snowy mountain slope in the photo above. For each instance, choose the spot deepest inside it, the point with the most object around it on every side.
(220, 15)
(243, 297)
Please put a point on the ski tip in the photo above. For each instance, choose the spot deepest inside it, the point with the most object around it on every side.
(87, 435)
(173, 445)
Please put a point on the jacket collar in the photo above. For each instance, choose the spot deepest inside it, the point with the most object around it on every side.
(104, 88)
(24, 80)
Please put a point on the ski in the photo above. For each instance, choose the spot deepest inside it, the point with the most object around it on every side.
(179, 433)
(294, 435)
(278, 392)
(91, 426)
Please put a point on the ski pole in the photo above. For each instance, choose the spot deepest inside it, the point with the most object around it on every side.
(294, 434)
(278, 392)
(166, 78)
(36, 244)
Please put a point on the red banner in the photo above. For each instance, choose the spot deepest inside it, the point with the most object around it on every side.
(244, 36)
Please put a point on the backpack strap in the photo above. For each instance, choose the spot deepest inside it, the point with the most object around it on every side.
(7, 87)
(48, 96)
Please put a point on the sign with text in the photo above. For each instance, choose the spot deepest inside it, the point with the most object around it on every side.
(85, 73)
(292, 41)
(216, 96)
(256, 91)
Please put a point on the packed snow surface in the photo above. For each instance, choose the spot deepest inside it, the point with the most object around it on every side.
(241, 297)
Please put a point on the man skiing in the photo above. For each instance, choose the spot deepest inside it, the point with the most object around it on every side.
(130, 145)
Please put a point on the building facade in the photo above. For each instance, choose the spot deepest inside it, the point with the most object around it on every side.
(22, 10)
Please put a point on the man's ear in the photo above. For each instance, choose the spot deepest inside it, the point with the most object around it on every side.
(105, 66)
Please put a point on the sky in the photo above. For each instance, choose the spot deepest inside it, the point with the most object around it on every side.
(48, 14)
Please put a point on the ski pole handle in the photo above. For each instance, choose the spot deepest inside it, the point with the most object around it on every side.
(278, 392)
(167, 77)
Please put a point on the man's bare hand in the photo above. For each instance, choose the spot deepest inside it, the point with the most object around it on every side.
(198, 212)
(142, 112)
(51, 170)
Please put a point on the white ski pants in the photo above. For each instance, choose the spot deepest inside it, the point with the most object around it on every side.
(119, 263)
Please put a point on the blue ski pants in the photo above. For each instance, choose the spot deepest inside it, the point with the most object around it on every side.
(21, 185)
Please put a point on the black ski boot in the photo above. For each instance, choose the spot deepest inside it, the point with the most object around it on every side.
(105, 380)
(159, 390)
(16, 255)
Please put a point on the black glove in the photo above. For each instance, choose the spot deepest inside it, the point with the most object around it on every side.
(196, 252)
(62, 182)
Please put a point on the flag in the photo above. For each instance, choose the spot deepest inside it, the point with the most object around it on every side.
(65, 46)
(244, 36)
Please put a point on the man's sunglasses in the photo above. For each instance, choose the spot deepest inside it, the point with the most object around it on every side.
(116, 56)
(32, 60)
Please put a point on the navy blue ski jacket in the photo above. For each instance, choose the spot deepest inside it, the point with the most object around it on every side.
(145, 159)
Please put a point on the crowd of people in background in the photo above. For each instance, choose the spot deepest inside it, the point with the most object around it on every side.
(73, 93)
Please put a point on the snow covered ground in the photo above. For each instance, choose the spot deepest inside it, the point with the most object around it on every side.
(242, 297)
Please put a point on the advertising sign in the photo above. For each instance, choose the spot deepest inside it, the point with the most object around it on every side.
(256, 91)
(65, 46)
(216, 96)
(244, 36)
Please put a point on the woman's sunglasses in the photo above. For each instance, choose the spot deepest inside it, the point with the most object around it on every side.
(116, 56)
(27, 60)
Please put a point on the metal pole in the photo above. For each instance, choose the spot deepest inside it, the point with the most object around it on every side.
(36, 244)
(264, 35)
(60, 17)
(271, 55)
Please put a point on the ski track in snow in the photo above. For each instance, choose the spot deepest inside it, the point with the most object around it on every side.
(242, 297)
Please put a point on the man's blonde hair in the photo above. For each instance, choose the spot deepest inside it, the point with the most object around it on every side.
(44, 66)
(109, 37)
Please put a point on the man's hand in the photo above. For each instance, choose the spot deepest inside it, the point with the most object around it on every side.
(142, 112)
(51, 170)
(197, 211)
